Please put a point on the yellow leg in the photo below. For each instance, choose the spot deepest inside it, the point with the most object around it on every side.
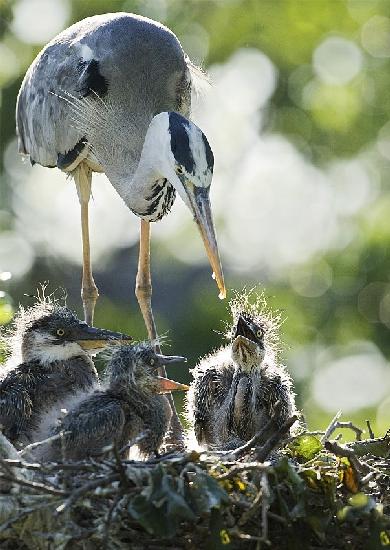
(89, 292)
(143, 291)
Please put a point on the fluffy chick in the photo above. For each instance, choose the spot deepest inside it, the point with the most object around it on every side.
(55, 348)
(130, 405)
(235, 389)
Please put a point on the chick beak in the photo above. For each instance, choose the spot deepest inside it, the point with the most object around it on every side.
(201, 209)
(242, 328)
(168, 359)
(91, 338)
(165, 385)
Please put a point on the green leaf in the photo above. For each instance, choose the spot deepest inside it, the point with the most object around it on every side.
(305, 447)
(152, 519)
(205, 493)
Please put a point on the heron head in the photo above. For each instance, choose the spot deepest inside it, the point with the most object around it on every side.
(59, 335)
(185, 158)
(248, 342)
(133, 368)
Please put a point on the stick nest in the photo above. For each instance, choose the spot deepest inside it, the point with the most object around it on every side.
(311, 493)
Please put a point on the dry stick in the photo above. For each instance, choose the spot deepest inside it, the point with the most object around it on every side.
(108, 521)
(244, 467)
(352, 427)
(122, 473)
(34, 485)
(265, 506)
(240, 451)
(372, 436)
(264, 451)
(39, 443)
(47, 468)
(78, 493)
(340, 450)
(331, 428)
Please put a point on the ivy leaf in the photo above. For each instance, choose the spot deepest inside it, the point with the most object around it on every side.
(305, 447)
(205, 493)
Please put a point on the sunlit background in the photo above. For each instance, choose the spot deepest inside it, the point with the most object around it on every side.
(298, 116)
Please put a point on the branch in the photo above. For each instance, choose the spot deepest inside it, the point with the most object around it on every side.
(274, 440)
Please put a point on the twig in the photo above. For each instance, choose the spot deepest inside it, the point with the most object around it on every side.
(274, 440)
(122, 473)
(246, 466)
(108, 521)
(266, 493)
(341, 450)
(39, 443)
(371, 433)
(352, 427)
(241, 451)
(78, 493)
(331, 428)
(34, 485)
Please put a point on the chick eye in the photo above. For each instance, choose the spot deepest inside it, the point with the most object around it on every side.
(60, 332)
(179, 169)
(259, 334)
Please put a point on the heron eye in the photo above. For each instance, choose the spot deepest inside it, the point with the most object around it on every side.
(179, 169)
(60, 332)
(259, 334)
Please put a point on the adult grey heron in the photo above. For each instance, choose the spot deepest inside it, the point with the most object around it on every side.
(112, 94)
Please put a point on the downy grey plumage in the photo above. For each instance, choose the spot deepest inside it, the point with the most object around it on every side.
(54, 347)
(235, 389)
(127, 406)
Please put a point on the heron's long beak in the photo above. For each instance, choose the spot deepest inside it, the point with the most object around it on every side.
(201, 209)
(90, 338)
(165, 385)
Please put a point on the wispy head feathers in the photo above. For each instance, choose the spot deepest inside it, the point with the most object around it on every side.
(27, 317)
(253, 303)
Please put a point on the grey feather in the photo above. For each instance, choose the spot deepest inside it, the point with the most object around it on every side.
(126, 409)
(230, 400)
(142, 64)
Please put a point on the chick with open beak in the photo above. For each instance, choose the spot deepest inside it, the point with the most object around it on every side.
(130, 407)
(55, 348)
(242, 387)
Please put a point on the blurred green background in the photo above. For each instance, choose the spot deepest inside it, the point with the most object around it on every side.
(298, 116)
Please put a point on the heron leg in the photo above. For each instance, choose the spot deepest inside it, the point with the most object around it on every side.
(143, 292)
(89, 291)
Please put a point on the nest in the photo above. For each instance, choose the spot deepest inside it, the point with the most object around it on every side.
(309, 493)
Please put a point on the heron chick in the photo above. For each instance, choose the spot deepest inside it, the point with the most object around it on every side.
(55, 349)
(240, 388)
(131, 405)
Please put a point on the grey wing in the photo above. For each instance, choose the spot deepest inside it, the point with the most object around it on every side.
(91, 427)
(209, 391)
(137, 65)
(45, 119)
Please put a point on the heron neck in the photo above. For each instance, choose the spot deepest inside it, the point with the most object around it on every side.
(136, 188)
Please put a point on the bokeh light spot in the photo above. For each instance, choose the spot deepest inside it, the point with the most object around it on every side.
(337, 60)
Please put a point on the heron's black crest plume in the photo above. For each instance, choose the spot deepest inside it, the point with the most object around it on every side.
(93, 80)
(180, 144)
